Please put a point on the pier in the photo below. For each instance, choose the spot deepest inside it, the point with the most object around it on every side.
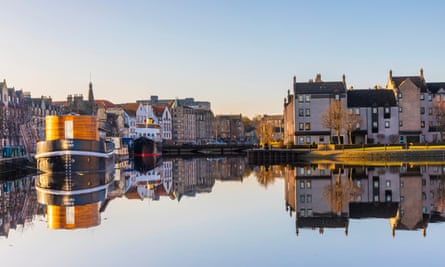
(211, 150)
(275, 156)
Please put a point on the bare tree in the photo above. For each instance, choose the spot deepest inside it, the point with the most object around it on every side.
(351, 121)
(333, 117)
(264, 131)
(439, 110)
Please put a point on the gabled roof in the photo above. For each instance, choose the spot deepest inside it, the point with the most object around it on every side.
(417, 80)
(371, 98)
(319, 88)
(158, 110)
(435, 87)
(131, 108)
(104, 103)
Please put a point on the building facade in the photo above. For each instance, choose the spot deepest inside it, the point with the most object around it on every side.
(312, 98)
(229, 128)
(379, 115)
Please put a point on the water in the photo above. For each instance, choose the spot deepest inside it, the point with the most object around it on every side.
(223, 212)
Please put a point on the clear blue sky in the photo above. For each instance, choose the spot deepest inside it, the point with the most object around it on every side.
(239, 55)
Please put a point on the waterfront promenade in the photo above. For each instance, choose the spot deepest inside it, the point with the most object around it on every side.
(351, 155)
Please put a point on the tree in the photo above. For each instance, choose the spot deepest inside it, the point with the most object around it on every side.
(264, 131)
(439, 110)
(334, 117)
(351, 121)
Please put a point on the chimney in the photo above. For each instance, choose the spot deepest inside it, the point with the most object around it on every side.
(343, 77)
(421, 73)
(390, 75)
(318, 78)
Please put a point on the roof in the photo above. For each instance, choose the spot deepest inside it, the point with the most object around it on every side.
(435, 87)
(104, 103)
(130, 108)
(158, 110)
(371, 98)
(417, 80)
(319, 87)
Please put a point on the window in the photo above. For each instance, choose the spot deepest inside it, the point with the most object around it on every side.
(422, 96)
(374, 110)
(300, 98)
(302, 212)
(308, 112)
(430, 111)
(300, 112)
(400, 123)
(337, 97)
(430, 97)
(386, 124)
(301, 140)
(388, 183)
(399, 95)
(422, 110)
(357, 111)
(374, 124)
(309, 199)
(301, 126)
(308, 184)
(302, 198)
(308, 126)
(302, 184)
(422, 124)
(400, 109)
(357, 125)
(387, 113)
(308, 139)
(308, 99)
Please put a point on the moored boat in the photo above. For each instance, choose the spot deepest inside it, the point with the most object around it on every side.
(147, 142)
(73, 144)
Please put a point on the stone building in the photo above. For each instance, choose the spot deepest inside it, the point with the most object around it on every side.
(312, 98)
(379, 116)
(229, 128)
(289, 120)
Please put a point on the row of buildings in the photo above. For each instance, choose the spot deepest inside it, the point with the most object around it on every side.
(22, 118)
(408, 110)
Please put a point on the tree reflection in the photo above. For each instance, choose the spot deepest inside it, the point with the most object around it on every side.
(340, 192)
(266, 174)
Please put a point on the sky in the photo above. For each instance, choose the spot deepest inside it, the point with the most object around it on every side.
(238, 55)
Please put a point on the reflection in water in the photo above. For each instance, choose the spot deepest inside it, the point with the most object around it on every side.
(75, 200)
(321, 197)
(328, 196)
(18, 204)
(72, 200)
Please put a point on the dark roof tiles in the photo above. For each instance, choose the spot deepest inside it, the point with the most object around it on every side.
(371, 98)
(319, 87)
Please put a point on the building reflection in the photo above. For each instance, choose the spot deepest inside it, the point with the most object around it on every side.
(328, 196)
(18, 204)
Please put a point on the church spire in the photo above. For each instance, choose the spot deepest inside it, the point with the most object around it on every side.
(90, 91)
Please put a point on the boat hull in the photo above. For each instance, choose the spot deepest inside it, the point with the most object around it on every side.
(68, 155)
(145, 147)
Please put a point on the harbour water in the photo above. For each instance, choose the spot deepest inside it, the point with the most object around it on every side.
(224, 212)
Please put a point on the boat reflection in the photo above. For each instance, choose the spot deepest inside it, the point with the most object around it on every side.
(73, 201)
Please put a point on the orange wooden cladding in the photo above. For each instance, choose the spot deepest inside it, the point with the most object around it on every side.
(84, 127)
(84, 216)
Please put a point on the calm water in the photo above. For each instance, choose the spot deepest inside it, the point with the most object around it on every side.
(222, 212)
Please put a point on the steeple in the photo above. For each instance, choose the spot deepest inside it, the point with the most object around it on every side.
(90, 93)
